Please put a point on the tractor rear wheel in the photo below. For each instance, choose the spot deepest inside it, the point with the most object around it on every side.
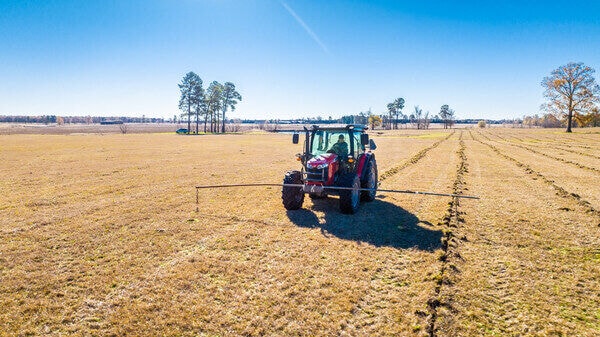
(349, 199)
(370, 181)
(293, 197)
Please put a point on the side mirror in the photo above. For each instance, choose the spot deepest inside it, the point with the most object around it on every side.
(295, 138)
(364, 139)
(372, 145)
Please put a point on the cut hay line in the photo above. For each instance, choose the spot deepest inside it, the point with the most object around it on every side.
(413, 160)
(552, 143)
(561, 148)
(574, 152)
(572, 145)
(559, 190)
(587, 147)
(553, 157)
(497, 136)
(451, 220)
(578, 140)
(573, 142)
(481, 134)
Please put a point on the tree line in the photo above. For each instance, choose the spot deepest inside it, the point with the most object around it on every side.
(549, 120)
(395, 117)
(206, 106)
(418, 118)
(60, 120)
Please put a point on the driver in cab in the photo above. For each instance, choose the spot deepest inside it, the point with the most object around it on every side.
(340, 148)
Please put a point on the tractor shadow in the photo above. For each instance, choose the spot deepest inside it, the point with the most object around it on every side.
(378, 223)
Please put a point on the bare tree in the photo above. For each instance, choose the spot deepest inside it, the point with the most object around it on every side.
(570, 90)
(417, 117)
(425, 120)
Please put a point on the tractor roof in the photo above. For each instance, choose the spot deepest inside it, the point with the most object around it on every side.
(355, 127)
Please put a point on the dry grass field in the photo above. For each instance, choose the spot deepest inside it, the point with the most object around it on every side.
(99, 236)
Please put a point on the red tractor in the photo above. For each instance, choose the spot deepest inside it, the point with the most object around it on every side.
(336, 160)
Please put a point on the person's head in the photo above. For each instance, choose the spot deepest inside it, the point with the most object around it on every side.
(341, 139)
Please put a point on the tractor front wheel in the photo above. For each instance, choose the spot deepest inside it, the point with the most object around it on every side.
(293, 197)
(349, 199)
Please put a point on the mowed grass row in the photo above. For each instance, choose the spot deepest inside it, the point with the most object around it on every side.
(582, 139)
(581, 181)
(528, 261)
(98, 232)
(586, 160)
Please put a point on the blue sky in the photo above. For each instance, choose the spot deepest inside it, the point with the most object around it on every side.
(485, 59)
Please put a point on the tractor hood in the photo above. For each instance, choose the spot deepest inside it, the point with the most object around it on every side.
(321, 161)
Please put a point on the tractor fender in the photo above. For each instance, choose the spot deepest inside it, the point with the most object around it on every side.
(364, 159)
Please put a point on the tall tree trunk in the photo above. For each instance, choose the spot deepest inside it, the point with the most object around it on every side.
(189, 119)
(570, 116)
(223, 121)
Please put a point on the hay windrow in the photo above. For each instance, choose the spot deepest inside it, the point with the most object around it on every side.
(451, 223)
(413, 160)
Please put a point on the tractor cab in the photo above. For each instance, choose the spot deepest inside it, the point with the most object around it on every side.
(347, 143)
(331, 151)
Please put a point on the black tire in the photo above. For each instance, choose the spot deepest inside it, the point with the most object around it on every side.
(370, 181)
(293, 197)
(349, 199)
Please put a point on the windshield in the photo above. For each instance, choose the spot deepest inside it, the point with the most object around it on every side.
(337, 142)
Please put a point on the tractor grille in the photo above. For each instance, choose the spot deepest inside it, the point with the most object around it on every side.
(317, 174)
